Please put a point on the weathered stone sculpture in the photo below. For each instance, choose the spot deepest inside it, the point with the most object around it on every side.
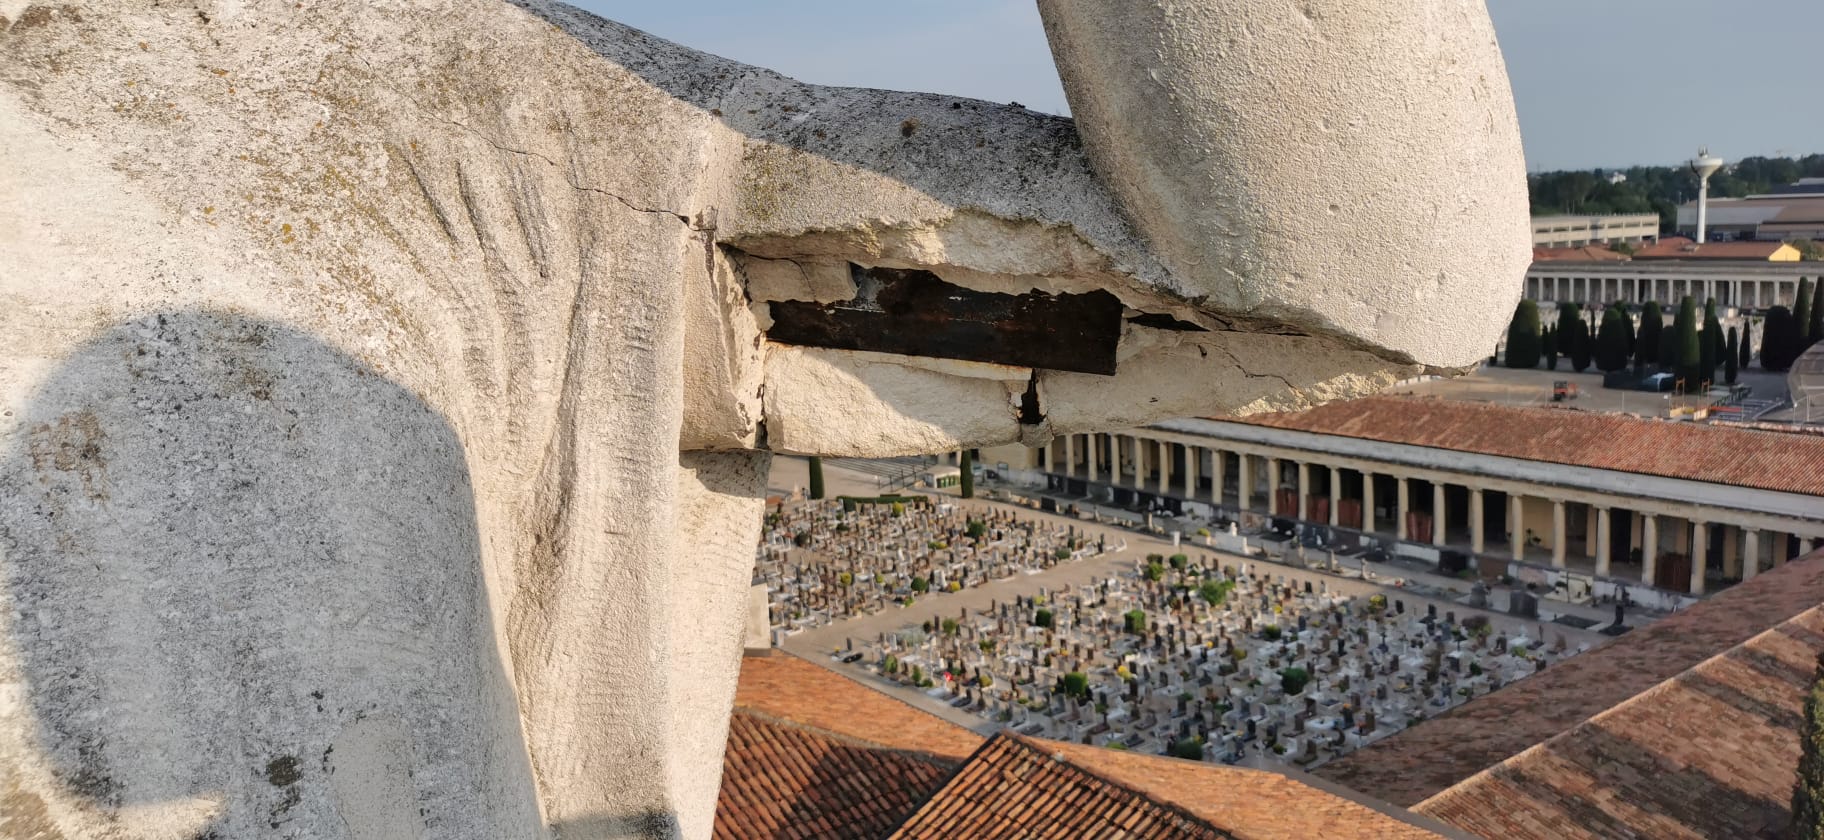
(389, 387)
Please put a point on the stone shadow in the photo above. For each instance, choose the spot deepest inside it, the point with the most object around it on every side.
(225, 539)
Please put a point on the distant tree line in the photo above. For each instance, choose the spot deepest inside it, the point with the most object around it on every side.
(1661, 189)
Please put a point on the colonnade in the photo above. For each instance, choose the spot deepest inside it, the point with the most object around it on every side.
(1658, 543)
(1743, 292)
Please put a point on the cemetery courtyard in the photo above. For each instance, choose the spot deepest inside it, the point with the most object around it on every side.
(1065, 628)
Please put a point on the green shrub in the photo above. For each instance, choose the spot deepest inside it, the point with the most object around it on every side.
(890, 664)
(1062, 554)
(1189, 748)
(920, 585)
(1214, 592)
(976, 529)
(1270, 632)
(1293, 680)
(802, 539)
(845, 579)
(1075, 684)
(899, 508)
(1154, 571)
(1179, 561)
(950, 627)
(1134, 621)
(1042, 618)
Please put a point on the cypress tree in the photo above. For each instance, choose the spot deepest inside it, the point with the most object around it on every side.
(1710, 350)
(967, 486)
(1747, 344)
(1814, 330)
(1721, 340)
(1779, 339)
(1627, 332)
(1612, 341)
(1523, 339)
(1652, 323)
(1570, 315)
(1550, 348)
(1581, 344)
(1668, 350)
(1802, 305)
(1808, 789)
(816, 477)
(1690, 350)
(1729, 358)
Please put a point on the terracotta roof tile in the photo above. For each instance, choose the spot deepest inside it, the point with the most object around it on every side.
(812, 753)
(1566, 705)
(792, 689)
(1685, 249)
(1695, 451)
(781, 781)
(1586, 253)
(1015, 788)
(1710, 752)
(1252, 804)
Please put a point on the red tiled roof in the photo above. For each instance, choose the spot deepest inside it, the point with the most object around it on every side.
(1711, 752)
(1684, 249)
(1587, 253)
(1252, 804)
(1439, 755)
(812, 753)
(792, 689)
(783, 782)
(1015, 788)
(1695, 451)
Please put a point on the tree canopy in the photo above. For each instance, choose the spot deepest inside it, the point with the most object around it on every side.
(1523, 342)
(1646, 344)
(1660, 189)
(1685, 342)
(1612, 341)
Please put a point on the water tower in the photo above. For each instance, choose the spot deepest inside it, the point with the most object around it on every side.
(1705, 165)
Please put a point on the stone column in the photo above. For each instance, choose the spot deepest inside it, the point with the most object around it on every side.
(1649, 548)
(1807, 545)
(1219, 468)
(1143, 457)
(1558, 535)
(1700, 549)
(1095, 457)
(1751, 553)
(1602, 542)
(1368, 502)
(1336, 496)
(1440, 514)
(1244, 481)
(1405, 502)
(1273, 486)
(1165, 465)
(1193, 458)
(1304, 491)
(1516, 525)
(1070, 455)
(1476, 535)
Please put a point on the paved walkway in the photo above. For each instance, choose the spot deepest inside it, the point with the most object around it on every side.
(818, 645)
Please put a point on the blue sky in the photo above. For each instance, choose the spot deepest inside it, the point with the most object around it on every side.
(1598, 83)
